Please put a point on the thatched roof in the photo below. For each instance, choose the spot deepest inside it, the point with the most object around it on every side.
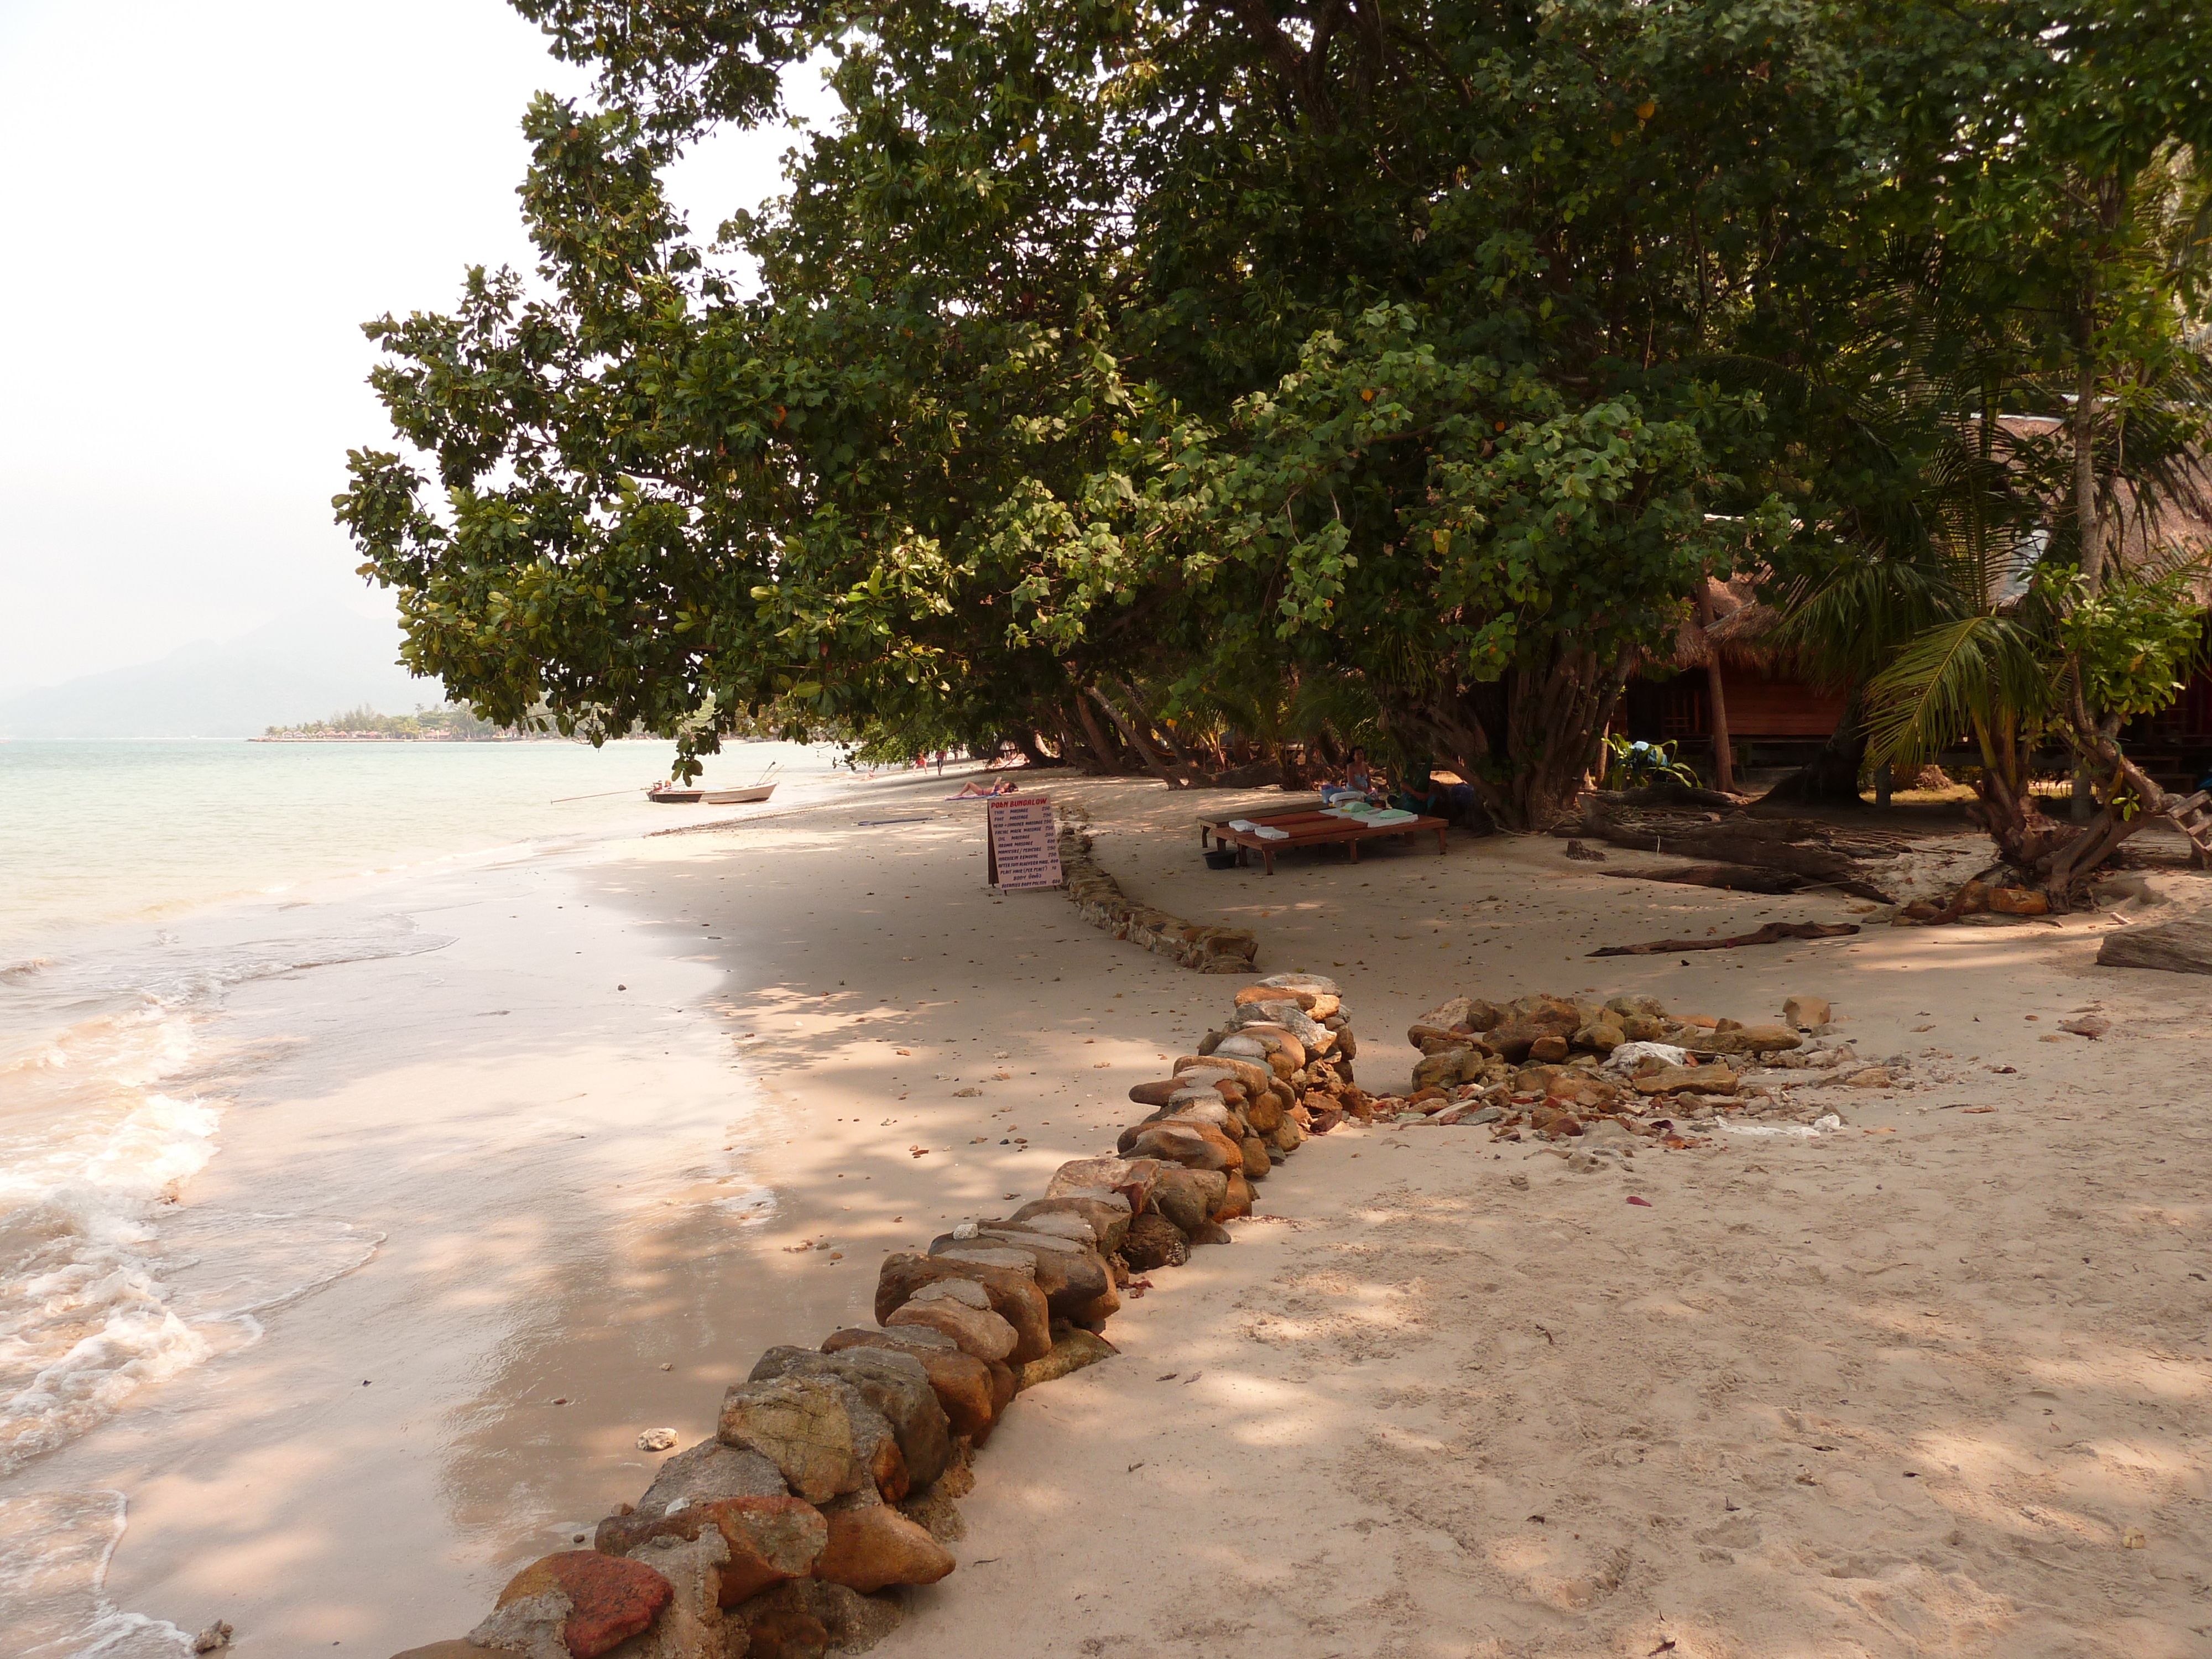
(1742, 630)
(2176, 531)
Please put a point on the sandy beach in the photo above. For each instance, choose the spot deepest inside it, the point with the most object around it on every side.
(1903, 1389)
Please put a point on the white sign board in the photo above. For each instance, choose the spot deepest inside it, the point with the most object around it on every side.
(1021, 849)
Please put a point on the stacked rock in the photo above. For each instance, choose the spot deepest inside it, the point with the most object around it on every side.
(831, 1478)
(1556, 1064)
(1276, 1071)
(1100, 900)
(819, 1488)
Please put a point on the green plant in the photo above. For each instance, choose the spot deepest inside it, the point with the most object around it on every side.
(1147, 346)
(1633, 763)
(2135, 639)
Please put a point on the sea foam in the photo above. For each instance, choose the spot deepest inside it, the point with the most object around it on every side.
(108, 1283)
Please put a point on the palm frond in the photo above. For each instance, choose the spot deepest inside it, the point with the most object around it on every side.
(1844, 627)
(1979, 669)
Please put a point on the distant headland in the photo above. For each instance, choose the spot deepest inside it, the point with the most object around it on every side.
(365, 725)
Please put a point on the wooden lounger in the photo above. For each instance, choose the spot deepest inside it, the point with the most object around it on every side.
(1207, 826)
(1313, 829)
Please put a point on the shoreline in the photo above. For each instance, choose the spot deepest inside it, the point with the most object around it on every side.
(280, 994)
(826, 951)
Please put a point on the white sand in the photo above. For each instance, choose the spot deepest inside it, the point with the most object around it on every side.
(1389, 1383)
(1887, 1393)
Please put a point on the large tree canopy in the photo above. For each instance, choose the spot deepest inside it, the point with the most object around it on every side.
(1440, 345)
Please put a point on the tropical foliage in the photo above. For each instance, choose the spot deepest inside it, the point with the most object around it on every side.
(1133, 378)
(1631, 764)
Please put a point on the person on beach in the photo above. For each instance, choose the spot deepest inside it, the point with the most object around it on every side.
(1358, 781)
(973, 790)
(1433, 797)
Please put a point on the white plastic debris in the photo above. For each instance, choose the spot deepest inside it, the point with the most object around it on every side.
(1625, 1057)
(1827, 1124)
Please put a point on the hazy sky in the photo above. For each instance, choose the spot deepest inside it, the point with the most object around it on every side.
(204, 203)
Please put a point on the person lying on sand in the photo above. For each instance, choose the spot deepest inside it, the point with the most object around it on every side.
(972, 790)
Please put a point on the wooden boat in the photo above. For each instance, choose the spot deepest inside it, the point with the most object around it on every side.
(669, 795)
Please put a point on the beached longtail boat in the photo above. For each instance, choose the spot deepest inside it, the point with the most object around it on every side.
(674, 794)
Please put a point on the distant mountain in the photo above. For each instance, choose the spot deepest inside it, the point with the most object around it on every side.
(300, 667)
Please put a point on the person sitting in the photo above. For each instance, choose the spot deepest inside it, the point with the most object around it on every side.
(1359, 781)
(1431, 796)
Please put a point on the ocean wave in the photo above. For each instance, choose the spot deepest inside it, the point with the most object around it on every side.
(84, 1317)
(180, 976)
(108, 1282)
(55, 1548)
(108, 1285)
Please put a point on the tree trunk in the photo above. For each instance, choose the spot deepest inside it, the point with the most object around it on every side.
(1831, 778)
(1527, 742)
(1137, 742)
(1158, 727)
(1032, 744)
(1716, 695)
(2088, 522)
(2067, 866)
(1095, 738)
(1555, 731)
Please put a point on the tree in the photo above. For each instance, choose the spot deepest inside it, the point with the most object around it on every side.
(2096, 217)
(2055, 312)
(1137, 343)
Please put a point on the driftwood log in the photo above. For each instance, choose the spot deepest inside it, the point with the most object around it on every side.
(1728, 878)
(1773, 933)
(1824, 853)
(2183, 946)
(1672, 793)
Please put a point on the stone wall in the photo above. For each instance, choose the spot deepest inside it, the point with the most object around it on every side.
(1099, 898)
(832, 1480)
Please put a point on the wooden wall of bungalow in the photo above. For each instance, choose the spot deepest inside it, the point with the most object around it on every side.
(1775, 717)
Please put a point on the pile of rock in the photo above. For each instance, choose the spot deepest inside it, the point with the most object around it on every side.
(1099, 899)
(1977, 898)
(831, 1479)
(1561, 1067)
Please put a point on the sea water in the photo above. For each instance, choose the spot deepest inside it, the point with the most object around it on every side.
(140, 883)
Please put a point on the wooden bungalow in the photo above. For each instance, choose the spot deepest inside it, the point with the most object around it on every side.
(1772, 714)
(1726, 675)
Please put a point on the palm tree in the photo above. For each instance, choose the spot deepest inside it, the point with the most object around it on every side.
(2030, 537)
